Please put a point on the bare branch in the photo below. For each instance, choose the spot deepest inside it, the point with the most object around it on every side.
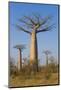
(45, 20)
(47, 52)
(48, 28)
(28, 24)
(31, 20)
(20, 28)
(37, 17)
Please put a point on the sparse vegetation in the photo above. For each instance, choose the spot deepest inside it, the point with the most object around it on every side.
(28, 72)
(28, 78)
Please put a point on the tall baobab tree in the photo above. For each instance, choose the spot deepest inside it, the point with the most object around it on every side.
(36, 25)
(20, 48)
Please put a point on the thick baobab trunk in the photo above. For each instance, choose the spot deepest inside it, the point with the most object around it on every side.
(19, 60)
(33, 51)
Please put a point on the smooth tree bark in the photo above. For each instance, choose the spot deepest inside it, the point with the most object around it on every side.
(34, 51)
(47, 52)
(36, 25)
(19, 63)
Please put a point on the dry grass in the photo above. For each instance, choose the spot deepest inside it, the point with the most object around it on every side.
(33, 79)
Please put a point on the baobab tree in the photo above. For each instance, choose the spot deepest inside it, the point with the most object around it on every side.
(36, 25)
(20, 48)
(47, 52)
(53, 64)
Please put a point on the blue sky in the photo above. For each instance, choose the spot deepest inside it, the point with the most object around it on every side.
(46, 40)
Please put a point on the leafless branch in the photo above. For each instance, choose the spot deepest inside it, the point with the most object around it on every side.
(30, 19)
(48, 28)
(25, 22)
(37, 17)
(45, 20)
(21, 28)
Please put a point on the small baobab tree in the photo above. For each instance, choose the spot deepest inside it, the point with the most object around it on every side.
(47, 52)
(53, 64)
(36, 25)
(20, 48)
